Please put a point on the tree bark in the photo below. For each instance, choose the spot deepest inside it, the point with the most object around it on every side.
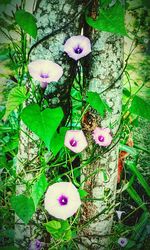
(61, 20)
(103, 69)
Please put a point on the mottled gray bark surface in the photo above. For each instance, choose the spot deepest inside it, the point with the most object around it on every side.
(51, 15)
(104, 68)
(61, 20)
(27, 164)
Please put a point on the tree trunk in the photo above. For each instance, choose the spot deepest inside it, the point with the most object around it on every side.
(102, 70)
(27, 161)
(61, 19)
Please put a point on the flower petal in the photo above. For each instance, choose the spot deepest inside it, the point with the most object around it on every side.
(75, 140)
(41, 67)
(74, 42)
(102, 132)
(52, 204)
(122, 241)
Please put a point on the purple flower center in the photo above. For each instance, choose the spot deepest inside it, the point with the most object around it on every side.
(101, 138)
(78, 50)
(38, 245)
(63, 200)
(43, 75)
(73, 142)
(122, 241)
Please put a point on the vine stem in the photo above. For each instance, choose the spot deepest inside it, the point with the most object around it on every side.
(55, 32)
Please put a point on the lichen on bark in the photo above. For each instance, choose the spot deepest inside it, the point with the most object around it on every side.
(103, 68)
(51, 15)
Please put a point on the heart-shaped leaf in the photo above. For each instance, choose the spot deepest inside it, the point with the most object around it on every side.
(110, 20)
(23, 206)
(38, 189)
(43, 124)
(16, 97)
(140, 107)
(58, 141)
(59, 229)
(27, 22)
(97, 103)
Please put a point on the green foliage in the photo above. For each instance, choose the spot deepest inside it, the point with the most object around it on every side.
(8, 248)
(132, 192)
(140, 225)
(23, 207)
(27, 22)
(42, 123)
(57, 141)
(5, 2)
(146, 3)
(82, 193)
(16, 97)
(4, 53)
(131, 165)
(57, 164)
(128, 149)
(110, 20)
(97, 103)
(140, 107)
(38, 189)
(126, 92)
(59, 229)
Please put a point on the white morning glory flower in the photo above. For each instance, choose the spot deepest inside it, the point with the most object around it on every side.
(102, 136)
(62, 200)
(45, 71)
(119, 214)
(77, 47)
(75, 140)
(122, 241)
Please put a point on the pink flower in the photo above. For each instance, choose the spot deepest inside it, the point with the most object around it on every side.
(75, 140)
(102, 136)
(62, 200)
(77, 47)
(45, 71)
(122, 241)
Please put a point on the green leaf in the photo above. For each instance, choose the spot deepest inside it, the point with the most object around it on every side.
(43, 124)
(59, 229)
(140, 107)
(52, 226)
(140, 177)
(16, 97)
(5, 2)
(82, 193)
(146, 3)
(128, 149)
(138, 227)
(97, 103)
(57, 141)
(23, 206)
(134, 195)
(9, 248)
(110, 20)
(126, 92)
(65, 230)
(38, 189)
(129, 183)
(27, 22)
